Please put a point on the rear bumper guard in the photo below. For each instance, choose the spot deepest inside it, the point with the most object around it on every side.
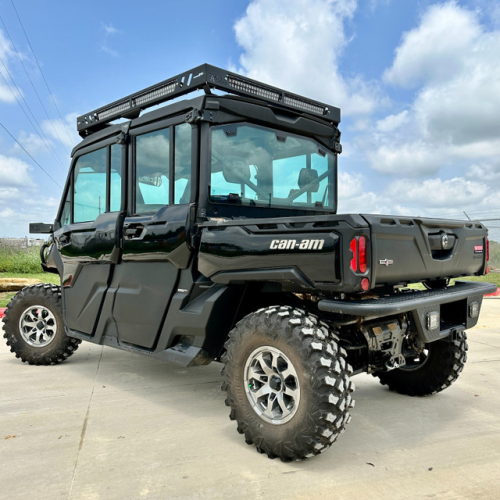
(455, 306)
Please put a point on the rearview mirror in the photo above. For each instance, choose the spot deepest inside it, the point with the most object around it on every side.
(236, 172)
(308, 179)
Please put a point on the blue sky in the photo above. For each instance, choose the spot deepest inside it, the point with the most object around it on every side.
(418, 82)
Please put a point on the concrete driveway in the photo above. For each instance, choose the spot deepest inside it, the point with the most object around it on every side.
(112, 425)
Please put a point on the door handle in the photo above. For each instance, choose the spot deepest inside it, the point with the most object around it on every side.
(133, 231)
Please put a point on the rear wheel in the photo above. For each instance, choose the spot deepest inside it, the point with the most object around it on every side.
(430, 371)
(287, 383)
(34, 328)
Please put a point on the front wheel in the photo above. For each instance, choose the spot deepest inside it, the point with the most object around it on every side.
(34, 328)
(287, 383)
(430, 371)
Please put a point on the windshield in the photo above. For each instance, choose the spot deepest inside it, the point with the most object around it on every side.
(258, 166)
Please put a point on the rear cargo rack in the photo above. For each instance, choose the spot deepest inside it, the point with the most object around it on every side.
(205, 77)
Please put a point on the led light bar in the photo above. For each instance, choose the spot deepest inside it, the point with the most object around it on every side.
(161, 91)
(252, 88)
(114, 110)
(305, 105)
(201, 77)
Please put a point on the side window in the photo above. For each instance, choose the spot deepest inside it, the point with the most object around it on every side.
(90, 186)
(152, 171)
(182, 185)
(115, 178)
(96, 186)
(66, 210)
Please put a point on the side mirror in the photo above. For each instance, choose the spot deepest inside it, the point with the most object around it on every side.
(41, 228)
(308, 179)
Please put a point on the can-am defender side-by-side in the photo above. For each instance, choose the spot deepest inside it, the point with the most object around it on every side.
(207, 230)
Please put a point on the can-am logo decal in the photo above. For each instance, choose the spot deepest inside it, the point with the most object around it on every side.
(294, 244)
(478, 248)
(386, 262)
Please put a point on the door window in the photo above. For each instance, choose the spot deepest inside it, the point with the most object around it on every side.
(66, 211)
(182, 185)
(115, 178)
(162, 176)
(90, 186)
(96, 186)
(152, 171)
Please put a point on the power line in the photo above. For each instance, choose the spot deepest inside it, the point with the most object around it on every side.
(41, 72)
(22, 147)
(32, 84)
(44, 139)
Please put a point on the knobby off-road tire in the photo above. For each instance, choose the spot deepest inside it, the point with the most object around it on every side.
(432, 373)
(289, 353)
(34, 327)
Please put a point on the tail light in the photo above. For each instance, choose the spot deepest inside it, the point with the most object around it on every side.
(354, 250)
(359, 254)
(362, 254)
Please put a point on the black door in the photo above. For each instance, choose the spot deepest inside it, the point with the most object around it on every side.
(155, 248)
(87, 236)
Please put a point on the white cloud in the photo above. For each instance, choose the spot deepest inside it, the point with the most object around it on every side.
(409, 159)
(110, 29)
(15, 218)
(6, 53)
(442, 198)
(21, 200)
(466, 108)
(6, 94)
(374, 4)
(452, 60)
(296, 45)
(32, 143)
(392, 122)
(109, 50)
(437, 193)
(489, 173)
(354, 197)
(437, 48)
(350, 185)
(14, 173)
(65, 131)
(8, 194)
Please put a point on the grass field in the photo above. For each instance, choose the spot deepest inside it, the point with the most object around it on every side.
(19, 260)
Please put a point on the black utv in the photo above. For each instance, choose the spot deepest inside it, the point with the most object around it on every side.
(207, 230)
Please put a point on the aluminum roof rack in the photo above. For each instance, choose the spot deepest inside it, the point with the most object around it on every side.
(204, 76)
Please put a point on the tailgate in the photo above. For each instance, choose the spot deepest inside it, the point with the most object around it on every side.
(408, 249)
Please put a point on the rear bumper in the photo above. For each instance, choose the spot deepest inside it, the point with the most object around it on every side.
(453, 305)
(404, 302)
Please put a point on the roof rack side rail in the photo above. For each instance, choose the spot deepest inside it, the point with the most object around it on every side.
(196, 79)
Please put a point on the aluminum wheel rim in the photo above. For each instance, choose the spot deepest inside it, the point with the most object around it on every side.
(272, 385)
(38, 326)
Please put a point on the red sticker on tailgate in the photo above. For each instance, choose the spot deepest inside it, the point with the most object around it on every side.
(478, 248)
